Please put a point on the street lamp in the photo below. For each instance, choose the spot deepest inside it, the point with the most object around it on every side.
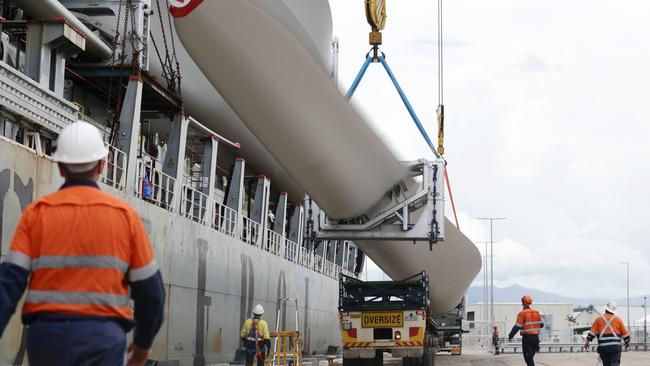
(645, 324)
(485, 280)
(627, 266)
(491, 219)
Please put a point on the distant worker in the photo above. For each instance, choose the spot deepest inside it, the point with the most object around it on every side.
(529, 322)
(83, 255)
(255, 334)
(495, 339)
(610, 330)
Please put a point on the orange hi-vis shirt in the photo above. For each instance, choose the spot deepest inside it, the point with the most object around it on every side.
(609, 329)
(82, 247)
(530, 321)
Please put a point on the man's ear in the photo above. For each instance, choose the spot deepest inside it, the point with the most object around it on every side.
(99, 167)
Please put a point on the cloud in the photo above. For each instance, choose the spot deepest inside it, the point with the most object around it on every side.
(546, 124)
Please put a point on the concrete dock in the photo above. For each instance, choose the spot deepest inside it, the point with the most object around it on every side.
(480, 358)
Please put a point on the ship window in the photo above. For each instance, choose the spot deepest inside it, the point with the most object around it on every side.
(470, 316)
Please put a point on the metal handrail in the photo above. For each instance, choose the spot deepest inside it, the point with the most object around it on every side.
(114, 170)
(225, 219)
(153, 185)
(194, 204)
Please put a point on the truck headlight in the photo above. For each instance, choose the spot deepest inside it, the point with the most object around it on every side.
(398, 335)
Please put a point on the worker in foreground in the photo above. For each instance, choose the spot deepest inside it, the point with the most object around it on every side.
(529, 323)
(78, 251)
(610, 330)
(255, 334)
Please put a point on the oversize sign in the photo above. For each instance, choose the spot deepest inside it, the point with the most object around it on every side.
(382, 319)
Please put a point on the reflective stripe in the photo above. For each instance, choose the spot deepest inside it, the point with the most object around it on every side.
(77, 298)
(608, 324)
(533, 323)
(19, 259)
(143, 273)
(80, 261)
(609, 344)
(530, 331)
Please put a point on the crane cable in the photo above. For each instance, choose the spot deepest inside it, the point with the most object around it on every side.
(440, 111)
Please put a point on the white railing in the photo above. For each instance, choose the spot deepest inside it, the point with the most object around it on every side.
(306, 257)
(274, 242)
(194, 204)
(318, 264)
(291, 251)
(114, 171)
(153, 185)
(225, 220)
(251, 231)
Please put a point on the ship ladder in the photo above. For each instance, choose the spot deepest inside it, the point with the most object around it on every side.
(287, 346)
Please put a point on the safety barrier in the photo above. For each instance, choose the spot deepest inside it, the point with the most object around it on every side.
(225, 220)
(153, 185)
(114, 171)
(306, 257)
(274, 242)
(291, 251)
(250, 232)
(194, 204)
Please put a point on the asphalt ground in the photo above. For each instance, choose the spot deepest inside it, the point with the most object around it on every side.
(481, 358)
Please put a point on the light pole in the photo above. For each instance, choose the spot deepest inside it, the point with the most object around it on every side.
(491, 219)
(485, 280)
(627, 270)
(645, 324)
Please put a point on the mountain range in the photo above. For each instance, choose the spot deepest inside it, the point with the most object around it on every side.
(515, 292)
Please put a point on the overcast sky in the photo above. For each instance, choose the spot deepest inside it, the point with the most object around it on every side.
(547, 124)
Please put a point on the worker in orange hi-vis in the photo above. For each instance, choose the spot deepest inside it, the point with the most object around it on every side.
(83, 255)
(610, 331)
(529, 323)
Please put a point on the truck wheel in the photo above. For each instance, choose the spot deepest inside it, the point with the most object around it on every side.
(351, 362)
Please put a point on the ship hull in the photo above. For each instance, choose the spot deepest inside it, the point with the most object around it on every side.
(212, 280)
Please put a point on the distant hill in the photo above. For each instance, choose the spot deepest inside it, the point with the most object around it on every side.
(513, 294)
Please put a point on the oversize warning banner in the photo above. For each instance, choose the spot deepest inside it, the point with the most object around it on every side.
(382, 319)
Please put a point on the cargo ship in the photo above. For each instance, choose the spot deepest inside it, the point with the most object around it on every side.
(233, 143)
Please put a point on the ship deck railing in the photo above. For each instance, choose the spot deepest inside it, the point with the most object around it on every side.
(194, 204)
(114, 170)
(251, 232)
(152, 184)
(225, 219)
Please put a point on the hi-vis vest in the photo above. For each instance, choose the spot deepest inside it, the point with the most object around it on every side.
(82, 247)
(609, 329)
(530, 321)
(255, 330)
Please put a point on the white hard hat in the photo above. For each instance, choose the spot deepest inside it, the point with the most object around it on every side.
(258, 310)
(611, 307)
(80, 143)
